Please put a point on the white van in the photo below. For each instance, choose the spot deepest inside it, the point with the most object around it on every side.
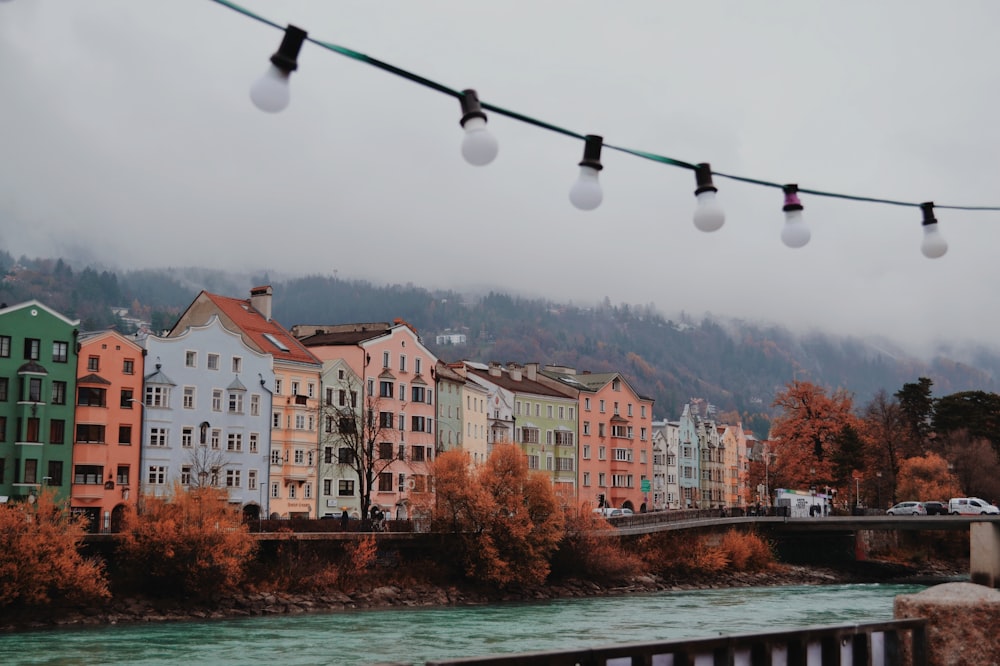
(974, 506)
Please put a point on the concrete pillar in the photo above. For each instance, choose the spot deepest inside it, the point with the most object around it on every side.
(984, 554)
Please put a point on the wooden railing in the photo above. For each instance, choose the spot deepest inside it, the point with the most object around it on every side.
(895, 643)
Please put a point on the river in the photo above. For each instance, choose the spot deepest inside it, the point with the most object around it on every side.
(416, 635)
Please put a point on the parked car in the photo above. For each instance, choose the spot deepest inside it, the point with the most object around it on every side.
(970, 506)
(935, 508)
(609, 512)
(908, 509)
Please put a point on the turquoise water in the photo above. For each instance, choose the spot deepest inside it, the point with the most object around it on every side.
(415, 635)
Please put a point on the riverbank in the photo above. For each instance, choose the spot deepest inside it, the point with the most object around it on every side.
(143, 610)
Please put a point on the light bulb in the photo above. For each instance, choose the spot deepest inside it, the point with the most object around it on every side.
(708, 215)
(586, 192)
(479, 147)
(934, 245)
(271, 92)
(795, 233)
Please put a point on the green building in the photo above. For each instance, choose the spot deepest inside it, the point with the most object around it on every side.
(37, 384)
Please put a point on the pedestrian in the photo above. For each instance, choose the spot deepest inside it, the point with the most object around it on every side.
(344, 518)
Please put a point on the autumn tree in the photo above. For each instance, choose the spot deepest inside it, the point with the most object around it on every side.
(975, 464)
(508, 521)
(40, 561)
(885, 429)
(192, 543)
(811, 437)
(926, 478)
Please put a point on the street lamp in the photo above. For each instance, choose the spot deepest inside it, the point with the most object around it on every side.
(857, 491)
(878, 488)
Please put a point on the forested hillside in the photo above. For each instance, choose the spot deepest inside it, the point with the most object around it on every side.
(736, 365)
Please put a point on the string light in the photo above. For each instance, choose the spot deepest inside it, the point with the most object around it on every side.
(934, 245)
(795, 233)
(708, 216)
(587, 189)
(270, 93)
(479, 147)
(586, 192)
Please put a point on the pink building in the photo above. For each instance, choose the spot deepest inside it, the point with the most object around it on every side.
(106, 442)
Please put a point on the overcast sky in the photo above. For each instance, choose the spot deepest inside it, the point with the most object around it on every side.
(127, 137)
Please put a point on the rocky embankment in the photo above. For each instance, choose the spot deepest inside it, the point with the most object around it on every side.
(139, 610)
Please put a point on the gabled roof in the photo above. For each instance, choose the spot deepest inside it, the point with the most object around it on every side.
(158, 377)
(38, 304)
(32, 368)
(265, 335)
(93, 378)
(525, 385)
(345, 337)
(236, 385)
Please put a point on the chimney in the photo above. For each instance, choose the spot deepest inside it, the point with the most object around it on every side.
(515, 371)
(494, 369)
(531, 370)
(260, 300)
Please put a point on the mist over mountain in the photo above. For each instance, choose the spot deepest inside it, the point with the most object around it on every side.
(735, 364)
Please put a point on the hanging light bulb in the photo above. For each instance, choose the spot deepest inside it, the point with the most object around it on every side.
(708, 216)
(479, 147)
(586, 191)
(270, 93)
(795, 232)
(934, 245)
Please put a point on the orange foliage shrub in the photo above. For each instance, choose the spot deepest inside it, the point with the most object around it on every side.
(589, 550)
(672, 556)
(312, 566)
(746, 551)
(191, 544)
(40, 564)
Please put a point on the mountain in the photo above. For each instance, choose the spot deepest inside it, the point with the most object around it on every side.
(736, 365)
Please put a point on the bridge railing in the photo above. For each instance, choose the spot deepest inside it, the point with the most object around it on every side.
(899, 642)
(680, 515)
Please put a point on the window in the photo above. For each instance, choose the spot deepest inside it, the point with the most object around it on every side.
(586, 478)
(548, 411)
(385, 419)
(235, 402)
(601, 407)
(91, 475)
(419, 424)
(275, 491)
(276, 420)
(586, 451)
(187, 437)
(300, 422)
(402, 362)
(32, 347)
(255, 405)
(232, 478)
(216, 437)
(619, 431)
(601, 432)
(345, 488)
(385, 482)
(4, 388)
(417, 363)
(371, 386)
(4, 346)
(237, 365)
(188, 397)
(623, 455)
(529, 436)
(157, 475)
(402, 482)
(300, 457)
(385, 359)
(191, 359)
(60, 352)
(385, 450)
(252, 479)
(252, 442)
(402, 421)
(125, 435)
(277, 386)
(158, 436)
(564, 464)
(385, 389)
(327, 486)
(291, 492)
(216, 400)
(126, 399)
(586, 404)
(58, 393)
(586, 427)
(35, 389)
(213, 361)
(295, 388)
(157, 396)
(55, 473)
(276, 457)
(307, 490)
(401, 452)
(128, 366)
(532, 462)
(89, 433)
(235, 442)
(417, 453)
(562, 412)
(345, 455)
(419, 394)
(602, 480)
(57, 431)
(3, 434)
(602, 453)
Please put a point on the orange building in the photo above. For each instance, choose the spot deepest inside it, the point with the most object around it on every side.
(108, 415)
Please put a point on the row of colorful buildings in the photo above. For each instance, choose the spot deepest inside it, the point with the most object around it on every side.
(284, 418)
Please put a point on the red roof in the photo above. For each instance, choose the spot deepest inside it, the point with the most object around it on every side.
(268, 336)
